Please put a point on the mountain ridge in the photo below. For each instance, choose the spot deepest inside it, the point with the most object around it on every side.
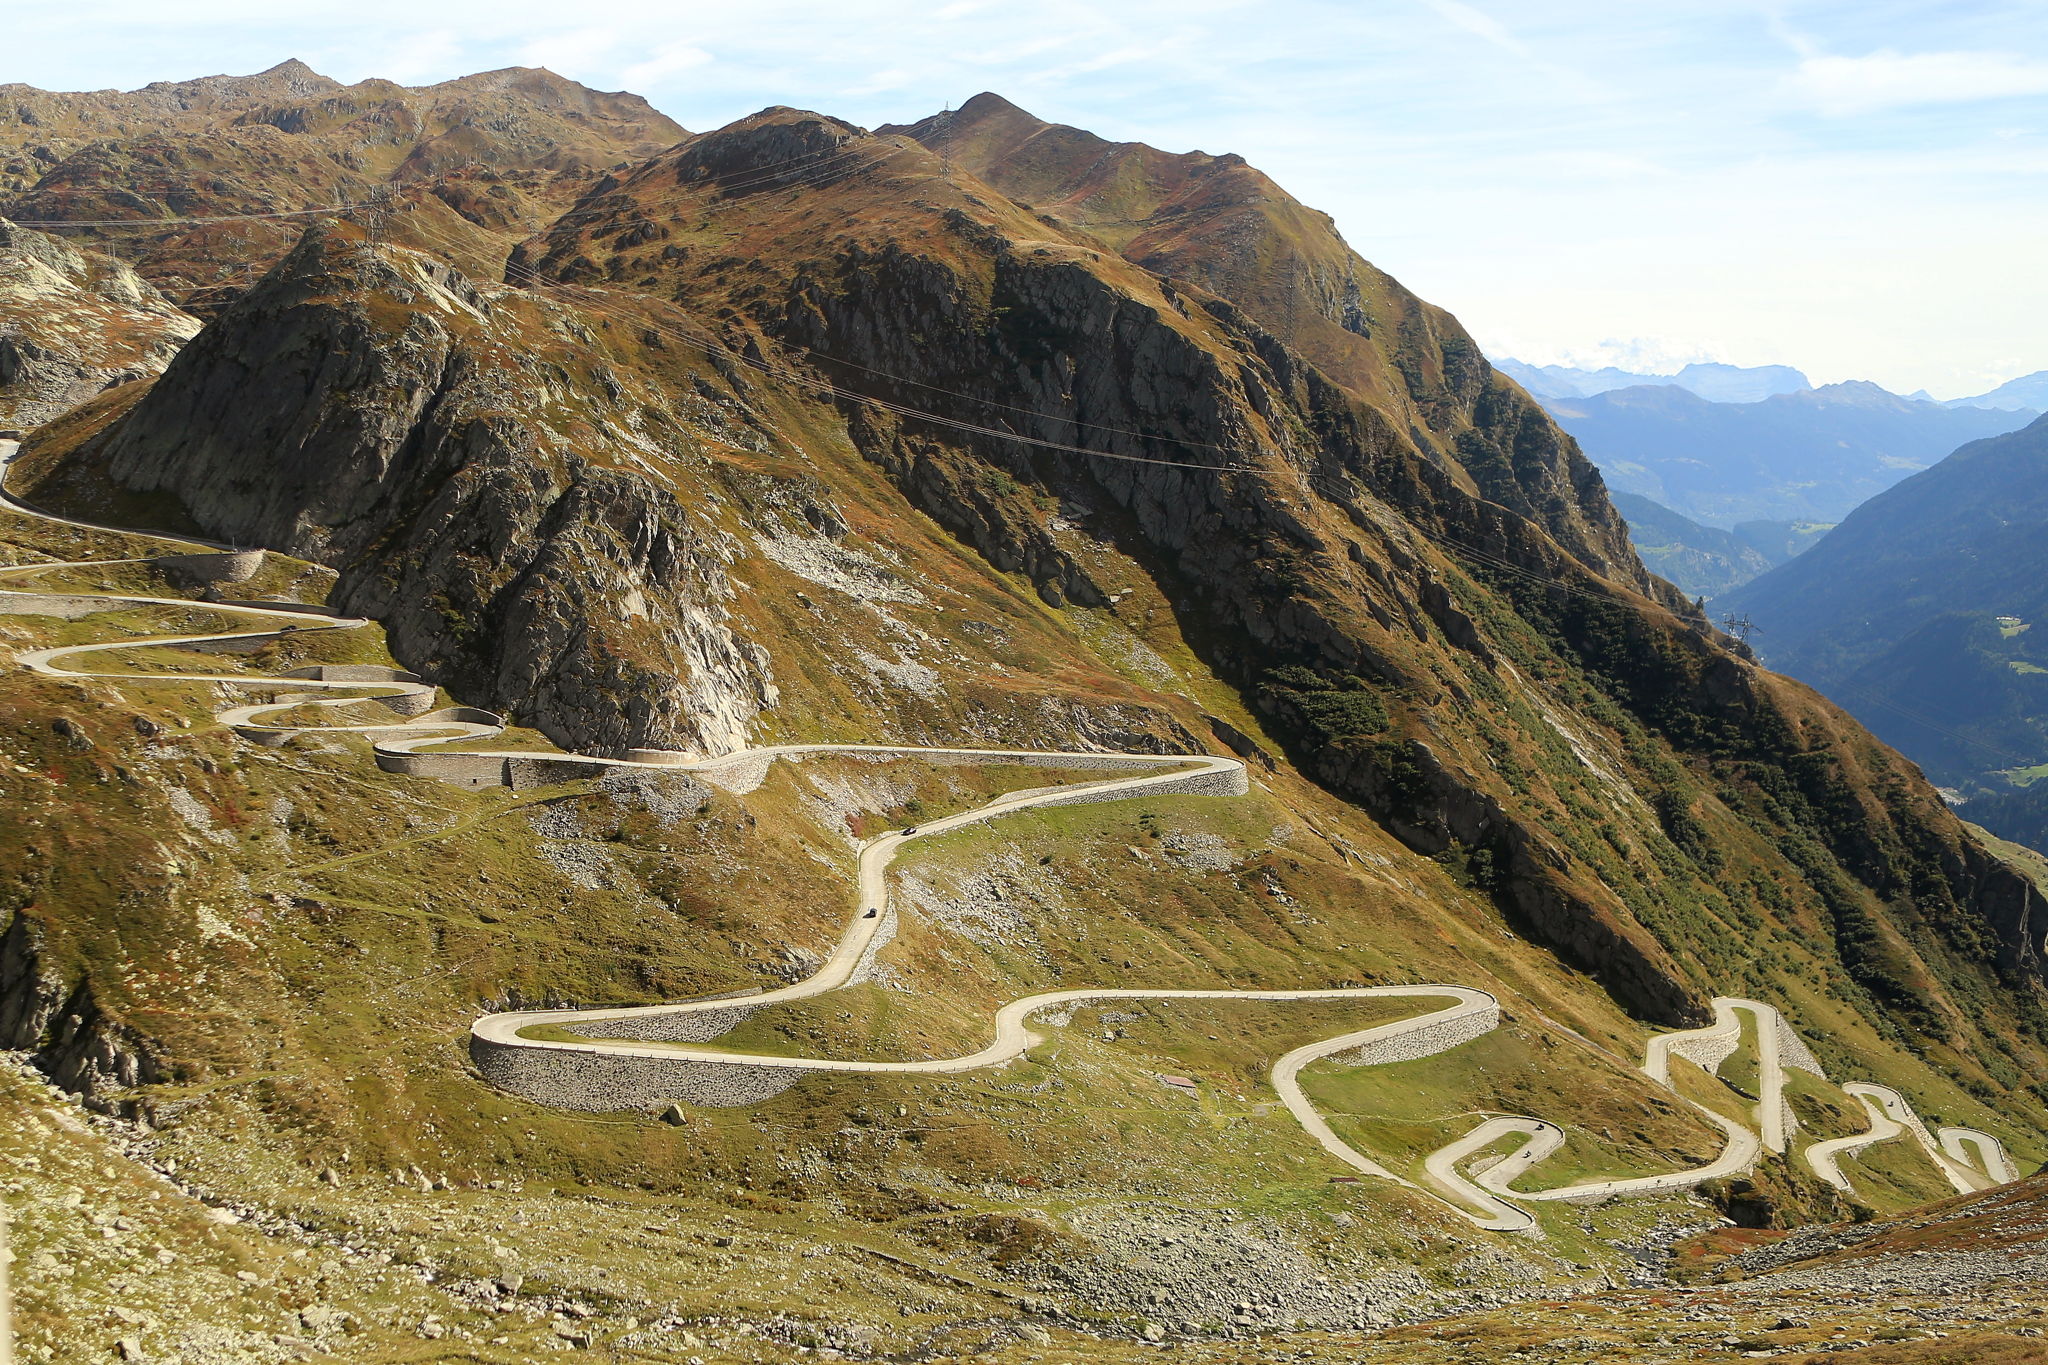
(1811, 455)
(490, 155)
(1712, 381)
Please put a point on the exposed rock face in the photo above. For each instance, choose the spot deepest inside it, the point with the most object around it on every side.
(503, 558)
(65, 1032)
(1224, 226)
(73, 323)
(1298, 509)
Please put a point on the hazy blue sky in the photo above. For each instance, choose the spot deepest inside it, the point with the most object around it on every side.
(1859, 188)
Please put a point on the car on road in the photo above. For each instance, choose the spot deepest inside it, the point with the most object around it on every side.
(873, 910)
(910, 829)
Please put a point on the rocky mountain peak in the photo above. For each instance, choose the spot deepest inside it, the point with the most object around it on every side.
(290, 77)
(774, 148)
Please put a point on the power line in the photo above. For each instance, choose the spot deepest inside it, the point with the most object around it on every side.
(711, 343)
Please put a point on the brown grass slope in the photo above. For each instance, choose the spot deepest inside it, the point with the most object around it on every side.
(934, 291)
(495, 154)
(1586, 755)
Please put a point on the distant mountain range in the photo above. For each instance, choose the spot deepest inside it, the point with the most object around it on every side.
(1926, 613)
(1813, 454)
(1717, 383)
(2028, 391)
(1724, 471)
(1740, 384)
(1705, 560)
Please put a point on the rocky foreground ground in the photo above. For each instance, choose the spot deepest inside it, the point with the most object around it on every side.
(117, 1258)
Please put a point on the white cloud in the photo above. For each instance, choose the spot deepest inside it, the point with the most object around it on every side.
(1480, 25)
(1891, 80)
(893, 78)
(666, 62)
(1637, 355)
(571, 52)
(1491, 31)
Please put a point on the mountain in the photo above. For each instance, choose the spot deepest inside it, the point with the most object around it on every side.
(1808, 456)
(1715, 382)
(1224, 227)
(1703, 560)
(1707, 561)
(485, 158)
(1778, 541)
(982, 433)
(2018, 813)
(74, 323)
(1920, 612)
(2029, 391)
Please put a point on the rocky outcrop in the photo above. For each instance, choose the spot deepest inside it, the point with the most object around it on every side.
(1377, 508)
(72, 324)
(538, 575)
(65, 1032)
(1227, 229)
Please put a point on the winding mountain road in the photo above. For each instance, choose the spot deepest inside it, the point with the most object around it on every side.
(627, 1056)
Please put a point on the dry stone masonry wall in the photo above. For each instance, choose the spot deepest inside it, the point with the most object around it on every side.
(1414, 1044)
(597, 1082)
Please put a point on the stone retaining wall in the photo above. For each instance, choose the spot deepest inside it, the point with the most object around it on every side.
(542, 770)
(352, 673)
(463, 770)
(1203, 782)
(230, 566)
(52, 604)
(1428, 1041)
(1793, 1051)
(417, 702)
(596, 1082)
(265, 604)
(1706, 1048)
(685, 1026)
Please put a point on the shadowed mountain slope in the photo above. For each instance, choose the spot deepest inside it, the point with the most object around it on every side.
(1922, 611)
(1700, 559)
(796, 432)
(1221, 224)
